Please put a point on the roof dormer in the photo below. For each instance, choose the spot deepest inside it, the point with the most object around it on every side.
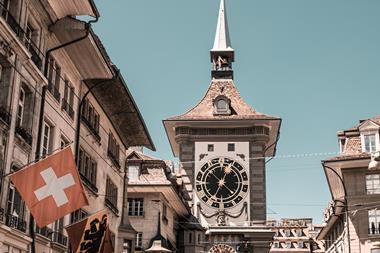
(369, 135)
(222, 105)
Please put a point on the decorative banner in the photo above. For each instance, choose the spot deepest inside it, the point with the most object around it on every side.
(51, 188)
(90, 235)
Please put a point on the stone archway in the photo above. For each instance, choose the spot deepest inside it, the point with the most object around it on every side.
(222, 248)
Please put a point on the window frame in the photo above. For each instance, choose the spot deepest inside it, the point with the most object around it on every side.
(226, 110)
(371, 184)
(136, 207)
(231, 147)
(20, 107)
(113, 150)
(374, 227)
(78, 215)
(88, 169)
(369, 141)
(136, 175)
(47, 139)
(138, 241)
(111, 195)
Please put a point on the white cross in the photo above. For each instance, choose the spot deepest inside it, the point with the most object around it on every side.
(54, 187)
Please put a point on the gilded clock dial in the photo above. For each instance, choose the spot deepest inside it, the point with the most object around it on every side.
(222, 183)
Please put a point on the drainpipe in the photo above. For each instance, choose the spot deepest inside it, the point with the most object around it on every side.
(42, 110)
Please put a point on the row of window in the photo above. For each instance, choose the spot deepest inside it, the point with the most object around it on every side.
(288, 233)
(113, 150)
(55, 80)
(111, 195)
(289, 245)
(230, 147)
(87, 167)
(91, 118)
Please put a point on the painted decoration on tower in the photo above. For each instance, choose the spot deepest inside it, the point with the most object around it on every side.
(222, 248)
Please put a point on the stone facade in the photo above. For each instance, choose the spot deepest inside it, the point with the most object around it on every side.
(28, 29)
(156, 207)
(352, 218)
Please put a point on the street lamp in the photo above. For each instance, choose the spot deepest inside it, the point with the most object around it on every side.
(345, 202)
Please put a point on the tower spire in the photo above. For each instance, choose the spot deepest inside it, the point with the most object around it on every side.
(222, 37)
(222, 54)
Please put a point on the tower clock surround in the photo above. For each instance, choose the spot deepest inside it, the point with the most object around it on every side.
(221, 181)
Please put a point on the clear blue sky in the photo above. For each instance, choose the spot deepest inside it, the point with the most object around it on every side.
(316, 64)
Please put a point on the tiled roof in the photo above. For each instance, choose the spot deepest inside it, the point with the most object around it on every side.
(154, 169)
(204, 110)
(353, 146)
(140, 156)
(375, 119)
(343, 157)
(152, 176)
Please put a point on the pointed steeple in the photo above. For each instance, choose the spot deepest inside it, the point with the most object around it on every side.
(222, 54)
(222, 37)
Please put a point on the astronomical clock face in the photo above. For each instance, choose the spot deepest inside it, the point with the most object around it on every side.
(222, 183)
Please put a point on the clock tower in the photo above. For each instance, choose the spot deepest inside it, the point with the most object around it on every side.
(222, 143)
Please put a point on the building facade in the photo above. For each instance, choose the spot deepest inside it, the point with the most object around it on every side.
(222, 143)
(44, 62)
(352, 218)
(295, 235)
(156, 208)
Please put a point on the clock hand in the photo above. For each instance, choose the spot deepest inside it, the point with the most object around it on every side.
(232, 192)
(214, 176)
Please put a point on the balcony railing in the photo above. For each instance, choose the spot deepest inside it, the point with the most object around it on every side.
(45, 231)
(12, 221)
(67, 108)
(32, 48)
(59, 238)
(88, 183)
(54, 91)
(114, 158)
(111, 205)
(25, 134)
(15, 26)
(93, 130)
(373, 229)
(5, 115)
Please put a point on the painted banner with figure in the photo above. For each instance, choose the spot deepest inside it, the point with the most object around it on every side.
(51, 187)
(91, 235)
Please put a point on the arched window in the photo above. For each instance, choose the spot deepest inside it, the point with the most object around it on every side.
(222, 106)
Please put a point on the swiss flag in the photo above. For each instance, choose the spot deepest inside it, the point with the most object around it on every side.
(51, 188)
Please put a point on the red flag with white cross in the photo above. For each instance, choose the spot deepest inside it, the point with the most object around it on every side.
(51, 188)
